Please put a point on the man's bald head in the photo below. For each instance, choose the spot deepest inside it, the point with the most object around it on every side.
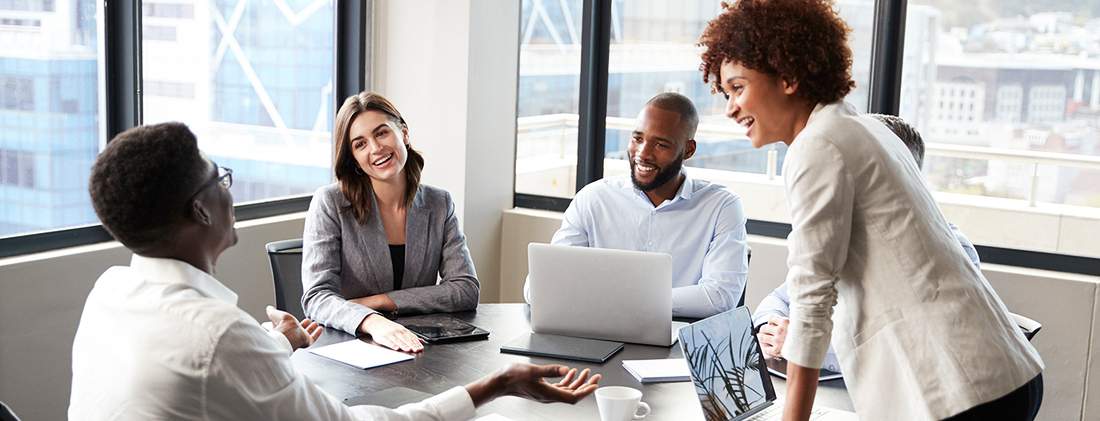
(680, 104)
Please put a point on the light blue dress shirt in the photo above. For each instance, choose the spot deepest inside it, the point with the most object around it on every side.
(779, 303)
(702, 227)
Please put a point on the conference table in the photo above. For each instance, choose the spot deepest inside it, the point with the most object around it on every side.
(444, 366)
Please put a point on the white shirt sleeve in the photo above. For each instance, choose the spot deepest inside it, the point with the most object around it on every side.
(777, 303)
(252, 377)
(724, 271)
(820, 192)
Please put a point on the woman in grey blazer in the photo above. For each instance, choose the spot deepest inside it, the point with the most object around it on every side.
(378, 240)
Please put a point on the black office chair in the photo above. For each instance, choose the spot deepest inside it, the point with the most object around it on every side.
(1030, 327)
(6, 414)
(286, 270)
(741, 302)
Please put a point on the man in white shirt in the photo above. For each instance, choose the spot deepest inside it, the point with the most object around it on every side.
(163, 339)
(659, 208)
(772, 316)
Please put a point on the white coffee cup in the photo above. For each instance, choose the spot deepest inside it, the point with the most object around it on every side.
(618, 403)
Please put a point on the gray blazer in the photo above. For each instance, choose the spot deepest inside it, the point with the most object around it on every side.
(341, 260)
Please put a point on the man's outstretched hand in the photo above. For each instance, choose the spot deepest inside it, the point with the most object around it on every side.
(529, 381)
(300, 334)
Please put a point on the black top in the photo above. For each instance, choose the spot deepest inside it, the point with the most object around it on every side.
(397, 256)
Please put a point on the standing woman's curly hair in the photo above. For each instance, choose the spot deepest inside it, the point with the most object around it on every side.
(801, 41)
(356, 186)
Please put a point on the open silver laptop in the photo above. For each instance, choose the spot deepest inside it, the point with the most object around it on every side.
(729, 373)
(615, 295)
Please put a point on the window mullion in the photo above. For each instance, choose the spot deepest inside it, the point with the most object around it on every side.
(887, 48)
(595, 50)
(122, 64)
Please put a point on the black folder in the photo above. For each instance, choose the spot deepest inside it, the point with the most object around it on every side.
(564, 347)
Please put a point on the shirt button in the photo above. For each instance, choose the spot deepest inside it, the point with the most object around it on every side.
(832, 368)
(653, 213)
(651, 243)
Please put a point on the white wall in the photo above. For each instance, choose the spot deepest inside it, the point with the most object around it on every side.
(1066, 304)
(42, 296)
(452, 69)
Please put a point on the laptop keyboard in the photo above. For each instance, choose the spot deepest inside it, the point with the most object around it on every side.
(775, 413)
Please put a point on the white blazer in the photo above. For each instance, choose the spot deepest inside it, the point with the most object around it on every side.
(919, 332)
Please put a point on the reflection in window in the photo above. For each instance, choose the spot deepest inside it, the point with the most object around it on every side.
(254, 84)
(17, 168)
(18, 94)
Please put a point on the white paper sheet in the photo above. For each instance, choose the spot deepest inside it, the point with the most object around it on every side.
(360, 354)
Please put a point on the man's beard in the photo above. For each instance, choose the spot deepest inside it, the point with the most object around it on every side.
(664, 175)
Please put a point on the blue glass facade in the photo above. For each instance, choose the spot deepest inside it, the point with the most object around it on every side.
(48, 140)
(292, 63)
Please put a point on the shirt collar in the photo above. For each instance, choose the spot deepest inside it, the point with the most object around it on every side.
(683, 193)
(161, 270)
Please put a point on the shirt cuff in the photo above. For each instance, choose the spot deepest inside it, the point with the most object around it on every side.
(284, 343)
(454, 404)
(806, 345)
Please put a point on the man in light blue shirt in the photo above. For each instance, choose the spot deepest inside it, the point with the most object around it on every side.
(659, 208)
(771, 316)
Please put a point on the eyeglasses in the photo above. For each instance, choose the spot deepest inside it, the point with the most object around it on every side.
(225, 178)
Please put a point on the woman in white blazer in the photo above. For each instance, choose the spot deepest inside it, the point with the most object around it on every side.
(919, 332)
(378, 239)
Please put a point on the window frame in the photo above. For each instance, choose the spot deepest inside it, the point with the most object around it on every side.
(885, 97)
(122, 70)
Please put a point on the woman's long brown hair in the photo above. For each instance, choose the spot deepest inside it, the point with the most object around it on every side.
(356, 186)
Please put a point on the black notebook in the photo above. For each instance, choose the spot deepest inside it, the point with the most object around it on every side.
(565, 347)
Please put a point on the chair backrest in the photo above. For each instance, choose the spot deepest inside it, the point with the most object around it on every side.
(286, 270)
(1030, 327)
(6, 414)
(741, 302)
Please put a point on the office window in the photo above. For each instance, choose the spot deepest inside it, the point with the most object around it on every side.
(49, 116)
(169, 89)
(170, 10)
(549, 86)
(27, 5)
(653, 50)
(256, 90)
(18, 94)
(1024, 141)
(158, 33)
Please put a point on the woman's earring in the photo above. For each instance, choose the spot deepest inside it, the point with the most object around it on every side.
(359, 170)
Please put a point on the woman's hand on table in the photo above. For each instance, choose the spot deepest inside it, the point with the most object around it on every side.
(389, 334)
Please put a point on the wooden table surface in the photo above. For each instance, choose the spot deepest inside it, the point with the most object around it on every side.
(441, 367)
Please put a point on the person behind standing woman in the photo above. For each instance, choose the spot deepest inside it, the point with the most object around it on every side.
(377, 240)
(919, 332)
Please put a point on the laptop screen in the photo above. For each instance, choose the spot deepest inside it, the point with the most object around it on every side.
(727, 366)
